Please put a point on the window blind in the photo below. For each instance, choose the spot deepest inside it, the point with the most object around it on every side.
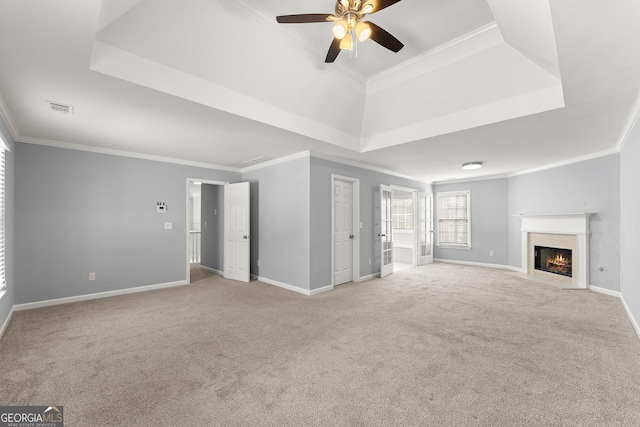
(3, 281)
(453, 219)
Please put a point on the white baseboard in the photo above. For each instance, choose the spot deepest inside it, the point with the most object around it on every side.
(365, 278)
(480, 264)
(632, 319)
(283, 285)
(5, 325)
(212, 270)
(313, 292)
(87, 297)
(605, 291)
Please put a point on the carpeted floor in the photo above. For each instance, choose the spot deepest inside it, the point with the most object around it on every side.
(439, 345)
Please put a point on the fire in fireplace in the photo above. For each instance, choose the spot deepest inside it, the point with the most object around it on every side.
(553, 260)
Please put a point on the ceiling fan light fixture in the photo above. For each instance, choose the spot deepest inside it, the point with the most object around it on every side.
(368, 8)
(472, 165)
(363, 31)
(345, 4)
(346, 43)
(340, 29)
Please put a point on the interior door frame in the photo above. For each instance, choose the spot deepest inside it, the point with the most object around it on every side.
(428, 259)
(356, 226)
(188, 220)
(415, 194)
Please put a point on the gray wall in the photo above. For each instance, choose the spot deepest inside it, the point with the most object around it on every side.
(212, 226)
(7, 301)
(280, 203)
(321, 171)
(79, 212)
(589, 186)
(489, 222)
(630, 223)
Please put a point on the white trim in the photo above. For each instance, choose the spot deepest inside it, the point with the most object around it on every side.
(122, 153)
(313, 292)
(481, 38)
(571, 161)
(212, 270)
(295, 156)
(5, 325)
(8, 118)
(369, 277)
(631, 123)
(355, 199)
(364, 166)
(479, 264)
(282, 285)
(99, 295)
(605, 291)
(632, 319)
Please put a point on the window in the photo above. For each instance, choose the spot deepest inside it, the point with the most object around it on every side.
(454, 226)
(3, 281)
(403, 213)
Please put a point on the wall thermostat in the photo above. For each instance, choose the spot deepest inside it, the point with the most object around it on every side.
(161, 207)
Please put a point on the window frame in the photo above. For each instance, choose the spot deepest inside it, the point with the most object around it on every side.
(439, 197)
(3, 215)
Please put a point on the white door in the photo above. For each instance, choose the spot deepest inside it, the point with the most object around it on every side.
(386, 230)
(342, 232)
(425, 228)
(236, 231)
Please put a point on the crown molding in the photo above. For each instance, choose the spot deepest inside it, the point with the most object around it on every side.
(571, 161)
(365, 166)
(491, 30)
(123, 153)
(8, 119)
(634, 115)
(277, 161)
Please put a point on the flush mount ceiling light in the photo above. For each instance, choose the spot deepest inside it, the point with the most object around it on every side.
(349, 25)
(472, 165)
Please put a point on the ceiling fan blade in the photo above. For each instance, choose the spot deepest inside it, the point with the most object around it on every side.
(304, 18)
(378, 5)
(334, 50)
(383, 38)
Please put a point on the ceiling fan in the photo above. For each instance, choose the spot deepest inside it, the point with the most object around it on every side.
(349, 23)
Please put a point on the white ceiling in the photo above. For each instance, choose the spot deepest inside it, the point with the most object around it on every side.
(518, 85)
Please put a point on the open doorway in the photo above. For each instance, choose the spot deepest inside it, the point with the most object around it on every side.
(404, 229)
(205, 243)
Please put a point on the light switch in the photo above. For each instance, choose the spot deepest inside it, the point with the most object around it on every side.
(168, 225)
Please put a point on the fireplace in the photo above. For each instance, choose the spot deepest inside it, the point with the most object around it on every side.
(553, 260)
(556, 247)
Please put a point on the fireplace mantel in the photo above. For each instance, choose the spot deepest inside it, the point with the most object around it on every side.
(574, 224)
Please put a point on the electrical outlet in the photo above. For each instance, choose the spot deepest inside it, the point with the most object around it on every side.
(369, 261)
(490, 253)
(92, 277)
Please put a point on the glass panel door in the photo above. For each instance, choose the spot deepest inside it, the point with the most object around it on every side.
(386, 230)
(425, 228)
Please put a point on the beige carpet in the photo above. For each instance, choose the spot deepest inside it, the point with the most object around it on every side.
(440, 345)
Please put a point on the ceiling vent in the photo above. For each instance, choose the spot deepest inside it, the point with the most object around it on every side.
(60, 108)
(255, 161)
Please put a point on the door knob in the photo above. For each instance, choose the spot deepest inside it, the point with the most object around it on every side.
(351, 236)
(246, 237)
(381, 235)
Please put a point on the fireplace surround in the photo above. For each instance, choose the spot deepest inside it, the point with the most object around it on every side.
(566, 232)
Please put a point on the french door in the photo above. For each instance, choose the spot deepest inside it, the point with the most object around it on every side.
(386, 230)
(425, 228)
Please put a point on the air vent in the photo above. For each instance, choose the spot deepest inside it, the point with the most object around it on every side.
(255, 161)
(60, 108)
